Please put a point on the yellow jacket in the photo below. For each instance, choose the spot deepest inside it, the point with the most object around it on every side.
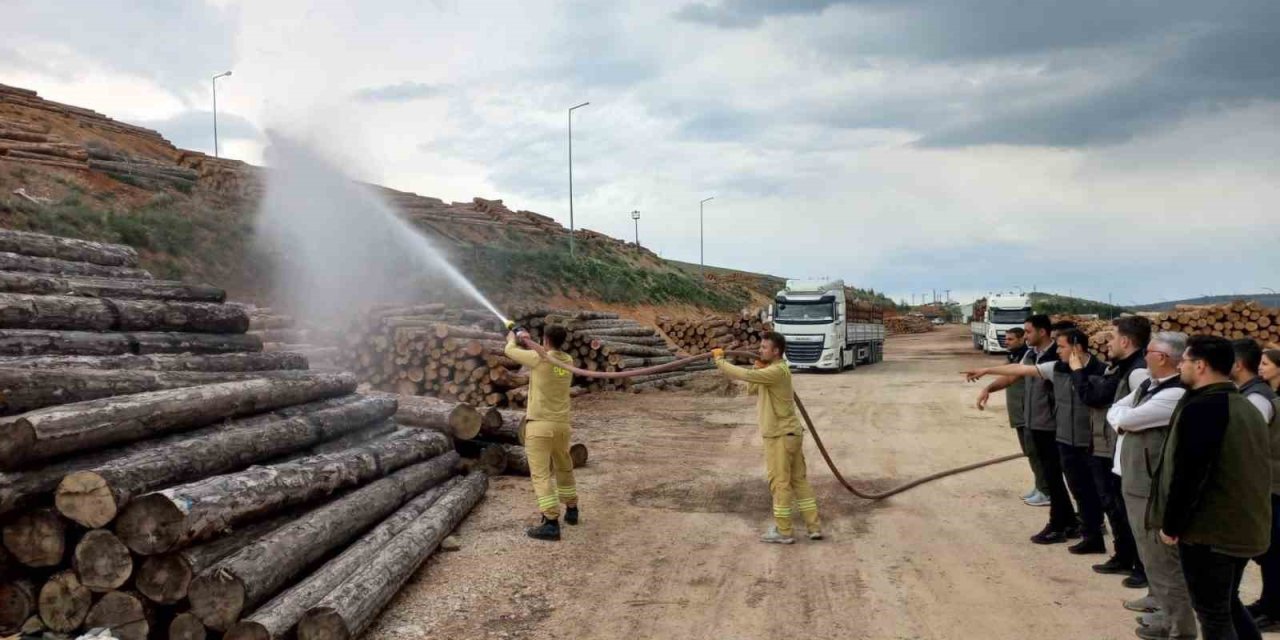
(776, 403)
(548, 384)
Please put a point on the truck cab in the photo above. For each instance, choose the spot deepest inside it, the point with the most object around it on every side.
(998, 315)
(825, 329)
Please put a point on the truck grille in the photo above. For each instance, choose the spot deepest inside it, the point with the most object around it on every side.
(804, 352)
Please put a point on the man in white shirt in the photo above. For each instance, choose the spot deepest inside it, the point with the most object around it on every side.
(1142, 421)
(1245, 375)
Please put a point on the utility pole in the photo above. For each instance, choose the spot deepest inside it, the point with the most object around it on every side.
(571, 226)
(214, 82)
(635, 217)
(702, 236)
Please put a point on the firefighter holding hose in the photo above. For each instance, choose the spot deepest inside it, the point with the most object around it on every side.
(546, 435)
(783, 435)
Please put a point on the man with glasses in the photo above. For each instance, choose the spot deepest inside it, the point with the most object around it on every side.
(1142, 420)
(1212, 492)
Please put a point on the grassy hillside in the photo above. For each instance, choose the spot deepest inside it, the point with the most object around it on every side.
(1264, 299)
(1058, 304)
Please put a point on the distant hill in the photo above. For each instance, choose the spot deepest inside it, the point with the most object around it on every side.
(1264, 299)
(1054, 304)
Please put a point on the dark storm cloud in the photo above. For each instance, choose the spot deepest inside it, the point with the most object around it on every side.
(736, 14)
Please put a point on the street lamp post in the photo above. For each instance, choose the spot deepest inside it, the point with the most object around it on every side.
(702, 236)
(214, 82)
(635, 217)
(571, 225)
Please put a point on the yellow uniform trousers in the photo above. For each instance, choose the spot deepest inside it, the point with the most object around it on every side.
(788, 481)
(550, 467)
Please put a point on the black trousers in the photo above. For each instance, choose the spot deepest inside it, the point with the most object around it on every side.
(1061, 514)
(1213, 579)
(1108, 485)
(1076, 465)
(1270, 563)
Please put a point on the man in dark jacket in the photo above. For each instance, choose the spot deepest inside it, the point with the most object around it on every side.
(1127, 371)
(1015, 340)
(1212, 495)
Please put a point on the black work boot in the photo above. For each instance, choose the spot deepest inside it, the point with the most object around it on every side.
(1049, 535)
(571, 515)
(1116, 565)
(548, 530)
(1090, 545)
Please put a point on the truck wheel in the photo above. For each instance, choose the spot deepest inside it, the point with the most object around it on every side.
(840, 365)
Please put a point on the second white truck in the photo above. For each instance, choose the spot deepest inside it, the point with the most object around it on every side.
(1000, 314)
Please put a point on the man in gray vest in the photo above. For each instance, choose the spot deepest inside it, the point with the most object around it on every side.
(1245, 373)
(1041, 424)
(1142, 421)
(1015, 402)
(1212, 492)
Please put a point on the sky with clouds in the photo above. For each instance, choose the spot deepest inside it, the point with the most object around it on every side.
(1099, 147)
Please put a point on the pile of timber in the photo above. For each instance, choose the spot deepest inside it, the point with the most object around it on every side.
(280, 332)
(741, 331)
(207, 488)
(1236, 320)
(33, 143)
(120, 164)
(907, 324)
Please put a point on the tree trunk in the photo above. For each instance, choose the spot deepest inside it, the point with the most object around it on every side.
(46, 246)
(636, 363)
(240, 582)
(17, 604)
(37, 342)
(510, 430)
(623, 349)
(517, 459)
(81, 426)
(102, 562)
(186, 626)
(14, 262)
(64, 602)
(448, 331)
(94, 496)
(166, 578)
(89, 286)
(457, 419)
(239, 362)
(25, 311)
(37, 538)
(349, 609)
(124, 613)
(178, 516)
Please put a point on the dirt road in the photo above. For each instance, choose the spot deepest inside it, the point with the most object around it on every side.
(674, 499)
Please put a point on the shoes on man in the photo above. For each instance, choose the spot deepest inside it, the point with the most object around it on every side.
(772, 536)
(1115, 565)
(1027, 496)
(571, 516)
(1136, 580)
(815, 535)
(1145, 604)
(1050, 535)
(1091, 545)
(548, 530)
(1037, 499)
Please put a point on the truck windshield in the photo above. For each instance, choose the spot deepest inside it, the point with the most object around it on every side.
(1010, 316)
(804, 312)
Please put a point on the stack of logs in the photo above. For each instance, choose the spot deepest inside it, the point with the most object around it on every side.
(907, 324)
(741, 331)
(26, 142)
(160, 476)
(279, 332)
(1234, 321)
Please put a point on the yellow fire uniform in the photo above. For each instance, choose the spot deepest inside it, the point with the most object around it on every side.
(783, 435)
(546, 434)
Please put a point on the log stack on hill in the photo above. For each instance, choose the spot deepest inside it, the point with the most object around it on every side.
(1234, 321)
(740, 331)
(207, 488)
(907, 324)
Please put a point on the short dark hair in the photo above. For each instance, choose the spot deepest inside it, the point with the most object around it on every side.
(1063, 325)
(1040, 321)
(1248, 353)
(1016, 331)
(1215, 351)
(778, 340)
(1136, 328)
(556, 335)
(1075, 337)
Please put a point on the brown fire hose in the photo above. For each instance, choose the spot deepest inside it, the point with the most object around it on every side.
(866, 495)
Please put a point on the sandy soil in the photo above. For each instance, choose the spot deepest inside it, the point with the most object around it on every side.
(674, 499)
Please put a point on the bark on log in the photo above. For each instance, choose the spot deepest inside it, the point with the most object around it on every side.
(102, 562)
(349, 609)
(34, 342)
(17, 604)
(242, 581)
(229, 362)
(37, 538)
(517, 459)
(624, 349)
(186, 626)
(94, 496)
(64, 602)
(87, 286)
(81, 426)
(166, 578)
(179, 516)
(16, 262)
(636, 363)
(71, 313)
(456, 419)
(124, 613)
(46, 246)
(449, 331)
(23, 390)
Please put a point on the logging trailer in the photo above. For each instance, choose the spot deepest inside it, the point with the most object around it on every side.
(825, 328)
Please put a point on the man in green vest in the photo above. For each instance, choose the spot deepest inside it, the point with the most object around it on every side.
(1015, 340)
(1212, 496)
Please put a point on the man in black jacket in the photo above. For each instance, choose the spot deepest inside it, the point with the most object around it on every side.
(1128, 370)
(1212, 494)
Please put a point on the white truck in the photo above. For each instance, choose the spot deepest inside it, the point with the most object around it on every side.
(994, 318)
(825, 329)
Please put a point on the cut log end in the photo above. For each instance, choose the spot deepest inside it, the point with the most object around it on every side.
(150, 525)
(36, 538)
(17, 604)
(16, 438)
(85, 498)
(165, 578)
(102, 562)
(186, 626)
(323, 624)
(218, 599)
(122, 613)
(64, 602)
(247, 630)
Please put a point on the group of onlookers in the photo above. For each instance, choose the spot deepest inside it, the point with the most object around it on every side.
(1174, 441)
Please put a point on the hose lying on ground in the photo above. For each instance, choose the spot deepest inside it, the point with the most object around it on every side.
(804, 413)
